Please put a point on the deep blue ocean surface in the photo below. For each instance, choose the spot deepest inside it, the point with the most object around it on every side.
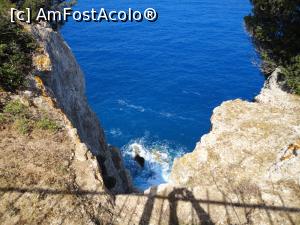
(154, 85)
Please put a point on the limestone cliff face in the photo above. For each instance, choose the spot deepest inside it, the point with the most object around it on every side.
(245, 171)
(251, 155)
(63, 81)
(247, 140)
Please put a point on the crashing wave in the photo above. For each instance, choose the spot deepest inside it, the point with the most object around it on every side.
(158, 161)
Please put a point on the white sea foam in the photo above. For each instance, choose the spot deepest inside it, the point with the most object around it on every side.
(115, 132)
(126, 104)
(142, 109)
(158, 161)
(166, 114)
(192, 92)
(174, 116)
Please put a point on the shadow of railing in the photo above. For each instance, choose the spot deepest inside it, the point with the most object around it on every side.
(145, 218)
(186, 195)
(180, 194)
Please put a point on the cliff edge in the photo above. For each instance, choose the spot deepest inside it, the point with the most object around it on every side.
(56, 167)
(63, 81)
(246, 170)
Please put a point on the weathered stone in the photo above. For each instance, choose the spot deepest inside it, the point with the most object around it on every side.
(245, 171)
(62, 80)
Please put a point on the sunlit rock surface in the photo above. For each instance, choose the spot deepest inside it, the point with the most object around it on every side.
(250, 156)
(62, 79)
(48, 177)
(245, 171)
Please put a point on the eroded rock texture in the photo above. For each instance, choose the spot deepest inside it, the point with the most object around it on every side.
(251, 156)
(245, 171)
(63, 81)
(49, 177)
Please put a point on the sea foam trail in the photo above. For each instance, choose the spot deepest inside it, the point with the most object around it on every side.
(158, 162)
(126, 104)
(141, 109)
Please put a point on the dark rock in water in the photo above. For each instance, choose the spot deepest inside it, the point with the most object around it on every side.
(140, 160)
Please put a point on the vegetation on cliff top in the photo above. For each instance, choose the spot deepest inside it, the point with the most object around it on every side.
(275, 28)
(16, 49)
(16, 45)
(24, 119)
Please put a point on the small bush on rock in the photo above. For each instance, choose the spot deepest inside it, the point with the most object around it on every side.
(16, 108)
(47, 124)
(275, 29)
(23, 125)
(2, 118)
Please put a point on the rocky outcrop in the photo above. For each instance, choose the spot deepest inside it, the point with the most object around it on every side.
(48, 177)
(251, 156)
(245, 171)
(60, 78)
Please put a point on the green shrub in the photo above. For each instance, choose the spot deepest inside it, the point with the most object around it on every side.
(292, 75)
(47, 124)
(17, 46)
(5, 6)
(2, 118)
(16, 108)
(16, 49)
(24, 120)
(35, 5)
(23, 125)
(275, 29)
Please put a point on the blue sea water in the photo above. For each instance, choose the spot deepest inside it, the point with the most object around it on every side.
(154, 85)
